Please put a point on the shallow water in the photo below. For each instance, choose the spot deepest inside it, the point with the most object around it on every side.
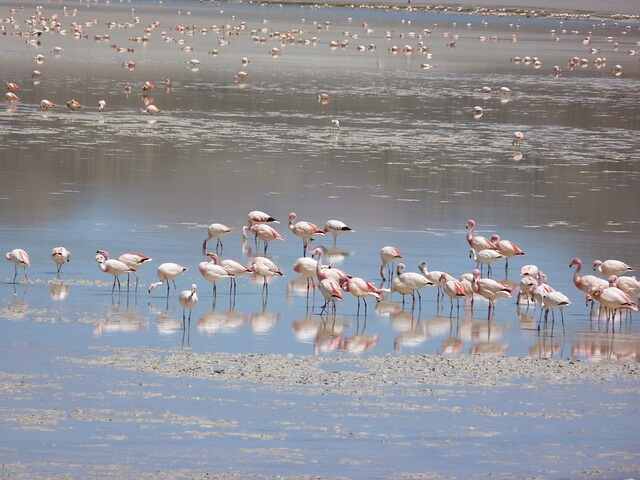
(407, 167)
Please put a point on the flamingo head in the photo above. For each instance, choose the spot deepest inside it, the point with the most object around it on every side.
(596, 293)
(476, 274)
(443, 278)
(612, 280)
(154, 285)
(317, 253)
(575, 261)
(214, 257)
(596, 264)
(104, 253)
(344, 283)
(292, 217)
(423, 267)
(471, 224)
(8, 256)
(99, 258)
(400, 268)
(495, 238)
(194, 287)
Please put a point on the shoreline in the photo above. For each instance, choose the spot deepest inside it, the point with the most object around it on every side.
(353, 376)
(464, 9)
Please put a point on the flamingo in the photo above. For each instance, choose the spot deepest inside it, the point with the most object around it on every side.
(215, 230)
(256, 216)
(361, 289)
(306, 267)
(328, 286)
(212, 272)
(554, 300)
(614, 300)
(134, 261)
(586, 283)
(412, 282)
(265, 268)
(541, 289)
(485, 257)
(19, 257)
(11, 97)
(264, 232)
(46, 105)
(452, 288)
(629, 285)
(506, 247)
(527, 284)
(167, 272)
(233, 268)
(101, 105)
(611, 267)
(304, 230)
(434, 276)
(518, 138)
(60, 256)
(529, 270)
(113, 267)
(188, 299)
(490, 289)
(388, 256)
(336, 227)
(73, 104)
(476, 242)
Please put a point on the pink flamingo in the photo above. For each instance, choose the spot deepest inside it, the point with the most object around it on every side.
(586, 283)
(452, 288)
(490, 289)
(264, 232)
(328, 286)
(18, 257)
(476, 242)
(304, 230)
(361, 289)
(506, 247)
(388, 256)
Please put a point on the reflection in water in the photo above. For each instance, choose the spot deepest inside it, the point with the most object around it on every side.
(213, 322)
(597, 347)
(329, 335)
(306, 330)
(120, 321)
(58, 291)
(545, 347)
(263, 322)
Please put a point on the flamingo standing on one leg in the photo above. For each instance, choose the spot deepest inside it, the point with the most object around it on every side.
(264, 232)
(336, 227)
(215, 230)
(388, 256)
(60, 256)
(168, 272)
(18, 257)
(304, 230)
(506, 247)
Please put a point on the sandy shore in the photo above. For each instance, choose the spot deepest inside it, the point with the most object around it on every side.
(372, 375)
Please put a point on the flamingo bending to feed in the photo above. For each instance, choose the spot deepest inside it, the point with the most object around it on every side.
(506, 247)
(336, 227)
(60, 256)
(215, 230)
(476, 242)
(167, 272)
(361, 289)
(306, 267)
(18, 257)
(304, 230)
(328, 285)
(388, 256)
(490, 289)
(611, 267)
(113, 267)
(586, 283)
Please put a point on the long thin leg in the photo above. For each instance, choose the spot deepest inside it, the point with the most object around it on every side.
(119, 287)
(113, 287)
(365, 308)
(167, 289)
(358, 310)
(15, 272)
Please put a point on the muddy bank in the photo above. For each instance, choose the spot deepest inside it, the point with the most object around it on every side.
(407, 375)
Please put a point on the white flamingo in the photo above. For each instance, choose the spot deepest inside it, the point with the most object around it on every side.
(336, 227)
(60, 256)
(215, 230)
(167, 272)
(388, 256)
(18, 257)
(113, 267)
(304, 230)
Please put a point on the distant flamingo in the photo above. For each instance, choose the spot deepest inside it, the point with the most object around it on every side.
(434, 276)
(215, 230)
(328, 286)
(586, 283)
(361, 289)
(452, 288)
(476, 242)
(264, 232)
(611, 267)
(388, 256)
(233, 268)
(336, 227)
(485, 257)
(18, 257)
(188, 299)
(412, 281)
(267, 269)
(113, 267)
(167, 272)
(506, 247)
(304, 230)
(60, 256)
(134, 261)
(212, 272)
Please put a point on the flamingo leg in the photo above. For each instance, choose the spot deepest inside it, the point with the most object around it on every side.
(167, 290)
(15, 272)
(113, 287)
(365, 308)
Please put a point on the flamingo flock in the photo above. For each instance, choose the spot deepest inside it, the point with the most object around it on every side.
(615, 292)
